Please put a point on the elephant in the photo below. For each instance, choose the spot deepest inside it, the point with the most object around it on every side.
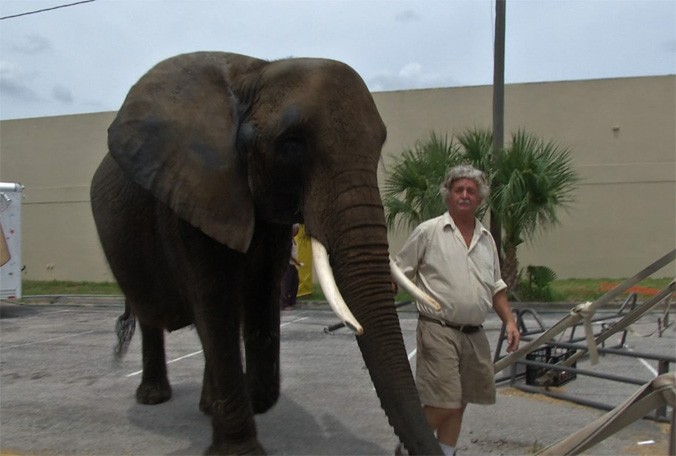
(212, 157)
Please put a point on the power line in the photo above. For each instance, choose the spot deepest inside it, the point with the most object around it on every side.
(46, 9)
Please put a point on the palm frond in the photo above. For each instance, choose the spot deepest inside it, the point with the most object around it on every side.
(411, 189)
(540, 276)
(477, 147)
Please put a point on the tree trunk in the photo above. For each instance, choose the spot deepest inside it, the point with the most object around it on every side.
(510, 267)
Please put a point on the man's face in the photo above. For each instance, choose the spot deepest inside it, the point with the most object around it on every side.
(463, 197)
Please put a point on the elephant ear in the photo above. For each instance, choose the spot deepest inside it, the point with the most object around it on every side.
(175, 135)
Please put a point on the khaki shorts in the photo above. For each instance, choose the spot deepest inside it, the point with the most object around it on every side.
(453, 368)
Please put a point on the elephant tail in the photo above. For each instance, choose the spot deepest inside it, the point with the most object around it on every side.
(124, 328)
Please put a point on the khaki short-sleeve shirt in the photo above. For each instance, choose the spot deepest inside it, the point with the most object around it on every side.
(462, 279)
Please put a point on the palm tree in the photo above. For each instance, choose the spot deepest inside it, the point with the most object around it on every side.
(411, 189)
(530, 181)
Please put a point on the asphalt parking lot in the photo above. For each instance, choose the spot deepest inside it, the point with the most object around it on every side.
(61, 392)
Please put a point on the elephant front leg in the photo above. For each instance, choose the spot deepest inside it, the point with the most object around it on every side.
(224, 394)
(268, 260)
(206, 399)
(154, 387)
(261, 343)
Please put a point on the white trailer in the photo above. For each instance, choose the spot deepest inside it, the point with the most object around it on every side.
(10, 240)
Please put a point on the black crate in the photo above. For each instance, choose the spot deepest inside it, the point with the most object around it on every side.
(549, 355)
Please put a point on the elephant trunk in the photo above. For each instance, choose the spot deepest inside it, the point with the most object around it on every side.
(360, 261)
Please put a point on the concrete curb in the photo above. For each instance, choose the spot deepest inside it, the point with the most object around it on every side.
(83, 300)
(118, 300)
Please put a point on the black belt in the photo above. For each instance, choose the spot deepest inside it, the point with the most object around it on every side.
(467, 329)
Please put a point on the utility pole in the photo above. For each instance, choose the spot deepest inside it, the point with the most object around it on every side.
(498, 105)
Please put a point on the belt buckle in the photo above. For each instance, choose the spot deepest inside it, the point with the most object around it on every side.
(461, 328)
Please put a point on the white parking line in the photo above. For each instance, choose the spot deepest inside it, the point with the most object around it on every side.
(648, 366)
(293, 321)
(412, 354)
(133, 374)
(645, 363)
(168, 362)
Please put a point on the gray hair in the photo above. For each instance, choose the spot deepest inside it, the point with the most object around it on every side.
(466, 172)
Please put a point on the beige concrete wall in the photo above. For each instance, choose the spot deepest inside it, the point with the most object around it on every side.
(621, 133)
(55, 158)
(623, 137)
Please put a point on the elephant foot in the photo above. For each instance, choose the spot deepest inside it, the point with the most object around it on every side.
(248, 447)
(150, 393)
(261, 403)
(206, 406)
(263, 390)
(206, 403)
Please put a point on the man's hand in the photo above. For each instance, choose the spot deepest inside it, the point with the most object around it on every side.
(501, 306)
(513, 337)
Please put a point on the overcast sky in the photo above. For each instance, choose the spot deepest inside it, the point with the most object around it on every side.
(85, 57)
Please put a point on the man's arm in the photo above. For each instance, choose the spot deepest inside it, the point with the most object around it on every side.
(501, 306)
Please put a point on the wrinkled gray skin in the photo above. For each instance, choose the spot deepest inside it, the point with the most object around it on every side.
(212, 157)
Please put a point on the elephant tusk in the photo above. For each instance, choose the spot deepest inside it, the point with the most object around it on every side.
(423, 298)
(320, 259)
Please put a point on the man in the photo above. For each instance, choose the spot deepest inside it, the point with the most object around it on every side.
(454, 259)
(290, 279)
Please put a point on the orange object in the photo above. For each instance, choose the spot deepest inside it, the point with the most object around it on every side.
(649, 291)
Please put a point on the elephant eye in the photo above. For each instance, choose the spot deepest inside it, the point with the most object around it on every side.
(292, 147)
(246, 140)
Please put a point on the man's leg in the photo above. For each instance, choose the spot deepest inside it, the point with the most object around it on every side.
(285, 298)
(446, 422)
